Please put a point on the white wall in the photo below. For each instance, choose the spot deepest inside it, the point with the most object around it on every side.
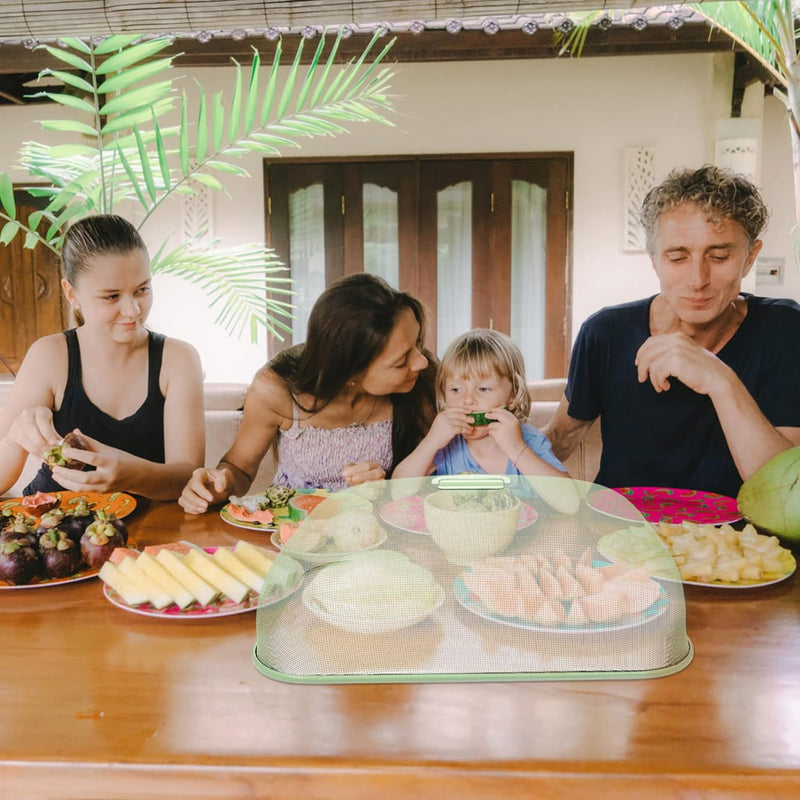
(594, 108)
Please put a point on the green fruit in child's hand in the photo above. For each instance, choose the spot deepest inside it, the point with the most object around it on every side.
(480, 418)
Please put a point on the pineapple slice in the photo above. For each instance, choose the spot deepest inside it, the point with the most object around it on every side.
(181, 597)
(204, 565)
(155, 594)
(126, 589)
(204, 593)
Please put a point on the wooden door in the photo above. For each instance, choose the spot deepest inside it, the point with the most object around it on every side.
(31, 301)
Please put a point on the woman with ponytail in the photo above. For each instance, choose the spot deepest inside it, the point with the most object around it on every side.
(133, 398)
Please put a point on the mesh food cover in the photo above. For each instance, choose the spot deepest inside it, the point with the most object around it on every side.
(473, 577)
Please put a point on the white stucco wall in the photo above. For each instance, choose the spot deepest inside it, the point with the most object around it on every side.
(594, 108)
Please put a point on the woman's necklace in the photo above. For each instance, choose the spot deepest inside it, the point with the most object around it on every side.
(343, 418)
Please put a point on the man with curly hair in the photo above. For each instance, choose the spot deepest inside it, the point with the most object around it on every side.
(697, 386)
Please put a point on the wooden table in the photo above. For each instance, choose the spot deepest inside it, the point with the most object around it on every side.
(100, 703)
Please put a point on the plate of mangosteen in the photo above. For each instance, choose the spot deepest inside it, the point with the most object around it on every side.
(59, 538)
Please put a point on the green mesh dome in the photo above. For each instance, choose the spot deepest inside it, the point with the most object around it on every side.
(473, 577)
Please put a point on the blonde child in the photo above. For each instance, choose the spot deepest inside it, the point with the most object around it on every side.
(483, 402)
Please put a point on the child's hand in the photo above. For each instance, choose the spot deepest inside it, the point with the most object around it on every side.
(506, 431)
(448, 423)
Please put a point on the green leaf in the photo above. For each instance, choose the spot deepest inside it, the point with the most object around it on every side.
(226, 167)
(202, 129)
(34, 218)
(269, 91)
(288, 87)
(70, 79)
(132, 55)
(31, 240)
(183, 140)
(7, 195)
(208, 180)
(118, 42)
(312, 69)
(69, 58)
(251, 104)
(9, 232)
(217, 121)
(77, 44)
(69, 151)
(370, 69)
(255, 147)
(122, 80)
(274, 141)
(68, 126)
(130, 119)
(68, 100)
(135, 182)
(235, 116)
(326, 72)
(137, 98)
(163, 164)
(147, 172)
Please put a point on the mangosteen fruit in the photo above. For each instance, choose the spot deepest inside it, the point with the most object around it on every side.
(19, 562)
(61, 557)
(98, 542)
(112, 519)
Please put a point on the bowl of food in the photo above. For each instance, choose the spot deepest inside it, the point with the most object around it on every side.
(470, 525)
(321, 541)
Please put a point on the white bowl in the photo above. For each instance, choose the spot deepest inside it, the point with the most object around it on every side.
(468, 536)
(325, 556)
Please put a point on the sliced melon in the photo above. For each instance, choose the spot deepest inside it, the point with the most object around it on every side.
(236, 567)
(203, 592)
(205, 566)
(126, 589)
(258, 559)
(181, 596)
(155, 594)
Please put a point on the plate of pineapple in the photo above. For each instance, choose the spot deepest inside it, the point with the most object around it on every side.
(181, 580)
(704, 554)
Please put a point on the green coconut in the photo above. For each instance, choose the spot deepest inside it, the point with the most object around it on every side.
(770, 498)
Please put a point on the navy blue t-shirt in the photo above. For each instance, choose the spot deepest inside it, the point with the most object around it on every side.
(674, 438)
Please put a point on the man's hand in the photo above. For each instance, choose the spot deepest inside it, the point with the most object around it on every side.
(676, 355)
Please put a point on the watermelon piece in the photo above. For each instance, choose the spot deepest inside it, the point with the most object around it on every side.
(119, 554)
(176, 547)
(303, 504)
(262, 517)
(286, 531)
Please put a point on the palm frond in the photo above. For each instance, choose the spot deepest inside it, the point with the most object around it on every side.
(755, 26)
(241, 281)
(126, 149)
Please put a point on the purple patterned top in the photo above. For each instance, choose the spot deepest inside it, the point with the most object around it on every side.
(310, 457)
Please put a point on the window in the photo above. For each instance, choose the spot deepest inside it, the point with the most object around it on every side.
(482, 241)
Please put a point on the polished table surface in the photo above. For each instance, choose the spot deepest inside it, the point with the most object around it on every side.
(101, 703)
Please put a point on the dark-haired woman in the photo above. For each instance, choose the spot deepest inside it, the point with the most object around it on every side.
(135, 397)
(345, 407)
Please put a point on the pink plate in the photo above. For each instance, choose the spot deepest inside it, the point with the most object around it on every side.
(657, 503)
(407, 514)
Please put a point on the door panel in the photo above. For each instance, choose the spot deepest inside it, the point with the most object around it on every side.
(31, 302)
(483, 242)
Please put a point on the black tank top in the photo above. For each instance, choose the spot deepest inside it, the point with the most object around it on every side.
(141, 434)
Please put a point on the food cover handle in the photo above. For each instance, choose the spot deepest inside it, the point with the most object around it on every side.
(471, 481)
